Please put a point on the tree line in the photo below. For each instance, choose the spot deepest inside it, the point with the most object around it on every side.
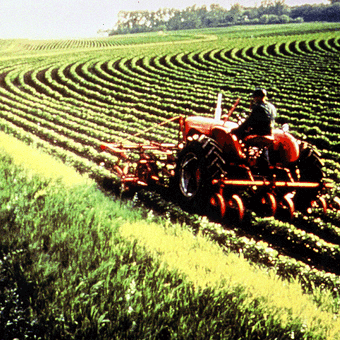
(269, 12)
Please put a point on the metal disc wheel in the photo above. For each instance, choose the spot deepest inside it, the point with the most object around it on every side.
(235, 208)
(318, 203)
(286, 208)
(268, 204)
(219, 205)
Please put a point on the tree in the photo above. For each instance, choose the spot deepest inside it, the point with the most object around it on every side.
(264, 19)
(214, 17)
(284, 19)
(273, 19)
(331, 13)
(276, 7)
(235, 12)
(270, 11)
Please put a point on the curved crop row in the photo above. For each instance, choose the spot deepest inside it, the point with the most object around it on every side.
(114, 41)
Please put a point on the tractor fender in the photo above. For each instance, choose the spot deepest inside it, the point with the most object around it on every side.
(285, 146)
(227, 141)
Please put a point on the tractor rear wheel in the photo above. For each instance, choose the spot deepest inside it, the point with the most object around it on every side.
(198, 163)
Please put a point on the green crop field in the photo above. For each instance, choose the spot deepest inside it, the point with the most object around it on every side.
(68, 97)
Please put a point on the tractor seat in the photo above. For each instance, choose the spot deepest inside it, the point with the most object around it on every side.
(259, 141)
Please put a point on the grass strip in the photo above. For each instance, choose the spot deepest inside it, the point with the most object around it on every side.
(39, 163)
(205, 264)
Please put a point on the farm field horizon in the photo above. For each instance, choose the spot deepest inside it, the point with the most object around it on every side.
(67, 97)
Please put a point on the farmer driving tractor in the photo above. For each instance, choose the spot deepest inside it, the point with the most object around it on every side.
(261, 119)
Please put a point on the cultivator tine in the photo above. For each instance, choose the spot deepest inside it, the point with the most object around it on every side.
(118, 171)
(219, 203)
(319, 202)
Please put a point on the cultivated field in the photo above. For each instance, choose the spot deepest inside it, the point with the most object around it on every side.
(70, 96)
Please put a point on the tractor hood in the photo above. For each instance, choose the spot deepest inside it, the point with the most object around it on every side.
(204, 125)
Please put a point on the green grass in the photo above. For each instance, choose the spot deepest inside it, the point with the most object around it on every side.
(206, 265)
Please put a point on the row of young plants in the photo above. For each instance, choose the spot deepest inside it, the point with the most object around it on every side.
(276, 69)
(168, 87)
(280, 63)
(115, 117)
(174, 79)
(72, 272)
(131, 72)
(67, 44)
(292, 250)
(53, 125)
(322, 141)
(74, 93)
(277, 31)
(30, 105)
(76, 135)
(262, 252)
(58, 105)
(322, 133)
(125, 91)
(83, 139)
(69, 156)
(80, 89)
(116, 41)
(53, 136)
(88, 122)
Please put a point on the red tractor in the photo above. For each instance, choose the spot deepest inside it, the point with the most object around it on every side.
(211, 167)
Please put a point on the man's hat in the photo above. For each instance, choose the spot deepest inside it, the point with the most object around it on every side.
(259, 92)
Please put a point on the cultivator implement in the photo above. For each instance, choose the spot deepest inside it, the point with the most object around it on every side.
(141, 164)
(144, 164)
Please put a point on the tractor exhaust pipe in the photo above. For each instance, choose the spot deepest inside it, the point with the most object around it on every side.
(218, 110)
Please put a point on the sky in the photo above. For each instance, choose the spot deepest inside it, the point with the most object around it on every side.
(64, 19)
